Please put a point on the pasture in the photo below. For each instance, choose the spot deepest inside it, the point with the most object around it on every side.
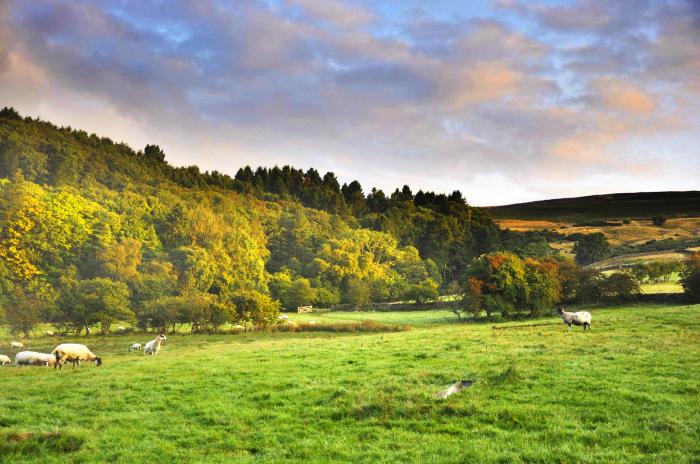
(628, 391)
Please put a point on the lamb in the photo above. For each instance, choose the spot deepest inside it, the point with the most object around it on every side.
(32, 358)
(153, 346)
(579, 318)
(135, 347)
(4, 359)
(74, 353)
(454, 388)
(17, 346)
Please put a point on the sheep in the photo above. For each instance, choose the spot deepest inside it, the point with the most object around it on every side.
(135, 347)
(74, 353)
(153, 346)
(17, 346)
(121, 329)
(32, 358)
(4, 359)
(579, 318)
(454, 388)
(48, 333)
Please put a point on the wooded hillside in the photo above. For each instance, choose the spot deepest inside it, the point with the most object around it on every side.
(87, 223)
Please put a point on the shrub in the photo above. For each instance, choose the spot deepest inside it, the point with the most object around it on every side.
(658, 220)
(497, 304)
(591, 248)
(255, 308)
(472, 298)
(690, 277)
(619, 287)
(364, 326)
(423, 292)
(23, 312)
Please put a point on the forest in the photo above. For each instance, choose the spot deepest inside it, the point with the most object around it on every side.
(93, 233)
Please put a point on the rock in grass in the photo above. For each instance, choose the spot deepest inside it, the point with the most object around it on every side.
(454, 388)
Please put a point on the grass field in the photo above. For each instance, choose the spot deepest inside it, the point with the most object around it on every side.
(626, 392)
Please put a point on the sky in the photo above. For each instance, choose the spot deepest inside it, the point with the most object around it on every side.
(507, 101)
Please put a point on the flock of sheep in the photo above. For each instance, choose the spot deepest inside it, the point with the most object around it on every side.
(73, 353)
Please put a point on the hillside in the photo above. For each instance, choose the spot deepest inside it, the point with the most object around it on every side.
(616, 206)
(84, 220)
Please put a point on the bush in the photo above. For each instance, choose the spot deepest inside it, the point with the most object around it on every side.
(472, 299)
(255, 308)
(23, 312)
(591, 248)
(364, 326)
(498, 305)
(619, 287)
(423, 292)
(690, 277)
(658, 220)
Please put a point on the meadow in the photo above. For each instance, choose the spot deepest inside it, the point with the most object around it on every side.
(628, 391)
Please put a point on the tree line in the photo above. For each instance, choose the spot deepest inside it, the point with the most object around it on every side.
(93, 233)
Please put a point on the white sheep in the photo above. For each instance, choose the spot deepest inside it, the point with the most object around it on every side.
(48, 333)
(17, 345)
(74, 353)
(454, 388)
(135, 347)
(579, 318)
(121, 329)
(153, 346)
(32, 358)
(4, 359)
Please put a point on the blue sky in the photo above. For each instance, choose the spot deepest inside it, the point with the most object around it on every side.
(505, 100)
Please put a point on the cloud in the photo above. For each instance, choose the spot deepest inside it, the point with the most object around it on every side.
(618, 95)
(381, 93)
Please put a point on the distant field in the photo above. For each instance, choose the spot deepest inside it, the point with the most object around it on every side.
(625, 392)
(639, 231)
(662, 287)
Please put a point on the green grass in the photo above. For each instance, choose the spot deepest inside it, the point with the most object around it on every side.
(662, 287)
(629, 391)
(414, 318)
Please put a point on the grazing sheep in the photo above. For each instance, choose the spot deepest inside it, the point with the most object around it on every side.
(579, 318)
(153, 346)
(32, 358)
(135, 347)
(74, 353)
(48, 333)
(283, 317)
(4, 359)
(17, 346)
(454, 388)
(121, 329)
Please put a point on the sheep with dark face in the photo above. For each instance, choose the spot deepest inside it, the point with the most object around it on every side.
(74, 353)
(578, 318)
